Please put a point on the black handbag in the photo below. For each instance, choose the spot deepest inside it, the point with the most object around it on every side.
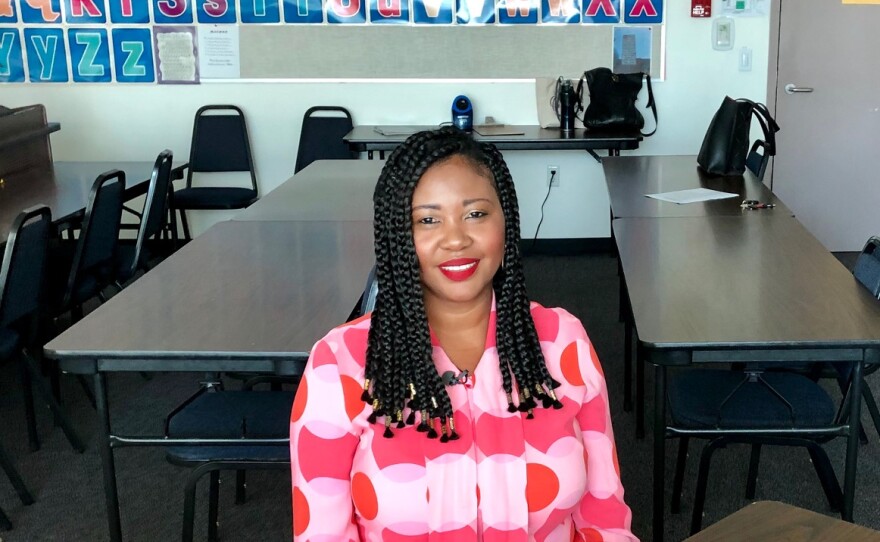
(613, 100)
(726, 143)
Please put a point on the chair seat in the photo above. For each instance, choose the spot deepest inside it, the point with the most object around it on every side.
(8, 343)
(186, 455)
(214, 198)
(234, 414)
(696, 396)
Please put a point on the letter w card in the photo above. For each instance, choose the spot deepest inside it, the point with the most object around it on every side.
(89, 55)
(133, 55)
(11, 60)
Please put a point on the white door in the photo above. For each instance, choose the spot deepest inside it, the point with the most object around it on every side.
(827, 169)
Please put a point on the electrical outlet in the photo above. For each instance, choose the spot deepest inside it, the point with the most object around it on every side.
(552, 175)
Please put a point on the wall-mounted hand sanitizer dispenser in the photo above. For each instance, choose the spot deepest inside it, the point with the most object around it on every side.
(722, 34)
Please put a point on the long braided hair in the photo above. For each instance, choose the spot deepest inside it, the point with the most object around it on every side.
(401, 382)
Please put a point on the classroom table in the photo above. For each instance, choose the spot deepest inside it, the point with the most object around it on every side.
(629, 178)
(323, 190)
(367, 139)
(65, 189)
(251, 296)
(727, 289)
(772, 520)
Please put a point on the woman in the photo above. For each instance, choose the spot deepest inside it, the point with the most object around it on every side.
(456, 410)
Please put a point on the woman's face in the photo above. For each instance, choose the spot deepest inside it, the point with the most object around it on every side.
(458, 231)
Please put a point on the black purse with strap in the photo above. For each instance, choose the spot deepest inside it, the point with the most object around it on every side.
(613, 100)
(726, 143)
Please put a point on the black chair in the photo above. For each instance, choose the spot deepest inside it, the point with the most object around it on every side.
(757, 159)
(867, 272)
(321, 136)
(139, 256)
(237, 417)
(85, 267)
(754, 407)
(22, 280)
(220, 143)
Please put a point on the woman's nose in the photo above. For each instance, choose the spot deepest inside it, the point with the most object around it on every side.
(455, 237)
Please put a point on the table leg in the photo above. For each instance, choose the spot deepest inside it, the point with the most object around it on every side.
(659, 450)
(852, 441)
(640, 393)
(627, 365)
(111, 496)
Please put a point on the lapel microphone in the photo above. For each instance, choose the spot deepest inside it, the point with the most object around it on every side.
(449, 378)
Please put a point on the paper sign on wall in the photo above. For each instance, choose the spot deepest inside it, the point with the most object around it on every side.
(218, 52)
(176, 54)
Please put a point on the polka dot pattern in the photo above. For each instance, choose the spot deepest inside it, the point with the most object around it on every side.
(506, 479)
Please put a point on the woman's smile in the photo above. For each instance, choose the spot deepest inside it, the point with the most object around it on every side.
(460, 268)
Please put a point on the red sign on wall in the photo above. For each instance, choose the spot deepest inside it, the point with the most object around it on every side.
(701, 8)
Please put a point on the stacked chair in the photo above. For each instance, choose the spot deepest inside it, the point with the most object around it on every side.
(21, 298)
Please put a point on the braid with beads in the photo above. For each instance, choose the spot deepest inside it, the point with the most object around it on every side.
(401, 382)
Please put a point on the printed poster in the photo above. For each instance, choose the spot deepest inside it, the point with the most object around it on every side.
(176, 54)
(218, 48)
(631, 52)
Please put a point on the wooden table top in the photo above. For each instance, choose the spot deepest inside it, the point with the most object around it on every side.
(257, 292)
(65, 189)
(366, 138)
(629, 178)
(724, 282)
(771, 520)
(324, 190)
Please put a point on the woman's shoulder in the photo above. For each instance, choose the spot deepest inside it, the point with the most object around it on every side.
(345, 345)
(556, 324)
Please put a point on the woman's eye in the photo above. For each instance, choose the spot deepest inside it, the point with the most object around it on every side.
(427, 220)
(476, 214)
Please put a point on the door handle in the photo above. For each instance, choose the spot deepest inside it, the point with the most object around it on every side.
(791, 88)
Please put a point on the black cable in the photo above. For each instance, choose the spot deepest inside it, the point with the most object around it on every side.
(549, 188)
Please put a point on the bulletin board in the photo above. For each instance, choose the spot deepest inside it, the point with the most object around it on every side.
(490, 52)
(118, 41)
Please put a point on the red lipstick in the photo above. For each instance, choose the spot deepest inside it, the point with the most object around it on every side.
(459, 269)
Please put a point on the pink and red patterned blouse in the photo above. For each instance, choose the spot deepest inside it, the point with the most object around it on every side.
(550, 479)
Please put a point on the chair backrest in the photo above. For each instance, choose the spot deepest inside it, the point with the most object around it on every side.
(371, 290)
(24, 265)
(867, 268)
(757, 161)
(220, 143)
(321, 136)
(155, 207)
(96, 248)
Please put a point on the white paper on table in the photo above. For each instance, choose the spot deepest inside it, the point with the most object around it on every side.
(693, 195)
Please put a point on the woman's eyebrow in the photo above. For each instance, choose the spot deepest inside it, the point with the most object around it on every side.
(437, 206)
(432, 206)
